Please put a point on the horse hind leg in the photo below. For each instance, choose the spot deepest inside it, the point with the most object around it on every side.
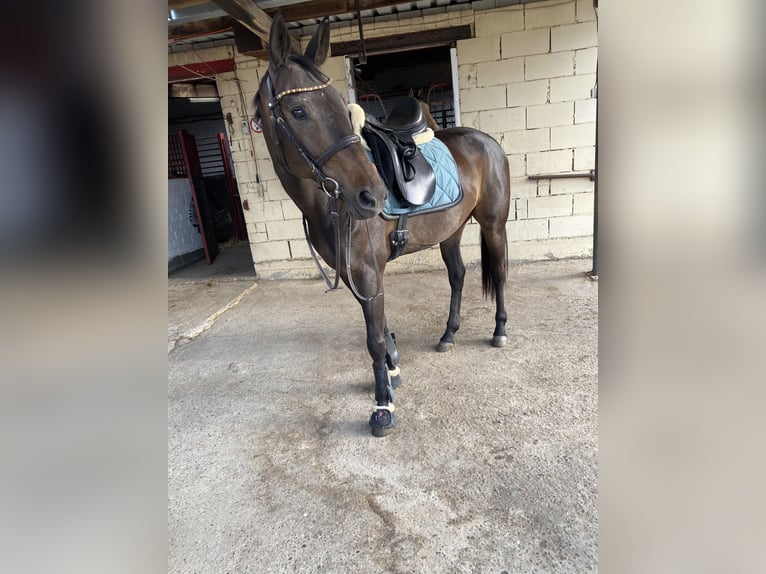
(491, 213)
(453, 259)
(494, 267)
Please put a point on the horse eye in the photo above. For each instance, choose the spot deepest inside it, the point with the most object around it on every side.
(298, 113)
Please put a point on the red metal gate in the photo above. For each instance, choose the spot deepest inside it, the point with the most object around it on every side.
(201, 206)
(237, 215)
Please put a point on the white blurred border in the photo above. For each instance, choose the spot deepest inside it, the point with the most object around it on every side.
(683, 320)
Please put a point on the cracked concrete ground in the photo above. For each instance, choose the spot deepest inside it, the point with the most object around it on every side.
(493, 468)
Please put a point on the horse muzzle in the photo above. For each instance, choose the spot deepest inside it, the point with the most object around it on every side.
(365, 203)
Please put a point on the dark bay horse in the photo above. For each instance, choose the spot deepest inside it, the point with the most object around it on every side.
(324, 169)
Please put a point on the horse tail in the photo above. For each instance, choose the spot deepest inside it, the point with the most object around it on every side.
(488, 282)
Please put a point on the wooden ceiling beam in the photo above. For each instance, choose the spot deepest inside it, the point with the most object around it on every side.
(293, 12)
(402, 42)
(199, 27)
(253, 18)
(248, 43)
(322, 8)
(178, 4)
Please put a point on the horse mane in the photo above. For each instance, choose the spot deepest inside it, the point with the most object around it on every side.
(307, 64)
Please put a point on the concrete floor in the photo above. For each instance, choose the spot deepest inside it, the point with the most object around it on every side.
(493, 468)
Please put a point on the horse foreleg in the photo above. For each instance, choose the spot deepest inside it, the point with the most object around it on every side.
(383, 418)
(450, 250)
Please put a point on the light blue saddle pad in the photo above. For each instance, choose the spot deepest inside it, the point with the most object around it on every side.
(448, 191)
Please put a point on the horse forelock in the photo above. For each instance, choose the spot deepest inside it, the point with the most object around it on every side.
(310, 67)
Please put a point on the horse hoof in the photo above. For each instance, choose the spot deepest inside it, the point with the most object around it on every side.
(396, 381)
(382, 423)
(444, 346)
(381, 431)
(499, 341)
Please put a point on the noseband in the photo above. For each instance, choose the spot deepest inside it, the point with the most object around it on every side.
(278, 120)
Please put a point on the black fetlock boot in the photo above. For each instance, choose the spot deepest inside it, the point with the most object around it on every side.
(392, 353)
(383, 418)
(392, 359)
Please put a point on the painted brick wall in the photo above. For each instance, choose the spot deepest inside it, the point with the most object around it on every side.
(525, 78)
(530, 70)
(183, 237)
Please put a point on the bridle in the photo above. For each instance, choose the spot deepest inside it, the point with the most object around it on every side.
(279, 123)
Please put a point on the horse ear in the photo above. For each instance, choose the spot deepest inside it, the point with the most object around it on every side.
(279, 41)
(320, 43)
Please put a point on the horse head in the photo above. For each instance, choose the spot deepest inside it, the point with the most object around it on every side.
(307, 125)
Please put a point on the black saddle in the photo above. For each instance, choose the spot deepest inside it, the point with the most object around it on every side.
(399, 161)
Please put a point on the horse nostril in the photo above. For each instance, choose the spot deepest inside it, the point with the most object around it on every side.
(367, 200)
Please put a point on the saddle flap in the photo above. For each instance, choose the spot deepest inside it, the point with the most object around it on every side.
(400, 163)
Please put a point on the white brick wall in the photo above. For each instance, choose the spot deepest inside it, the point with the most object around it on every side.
(501, 120)
(277, 230)
(585, 61)
(558, 161)
(548, 115)
(573, 36)
(523, 187)
(573, 136)
(495, 22)
(585, 11)
(549, 206)
(527, 93)
(499, 72)
(525, 43)
(571, 186)
(525, 78)
(527, 229)
(476, 99)
(572, 88)
(571, 226)
(585, 111)
(525, 141)
(547, 14)
(482, 49)
(183, 237)
(583, 203)
(271, 251)
(585, 158)
(549, 65)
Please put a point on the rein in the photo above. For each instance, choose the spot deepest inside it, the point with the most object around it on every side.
(278, 121)
(354, 290)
